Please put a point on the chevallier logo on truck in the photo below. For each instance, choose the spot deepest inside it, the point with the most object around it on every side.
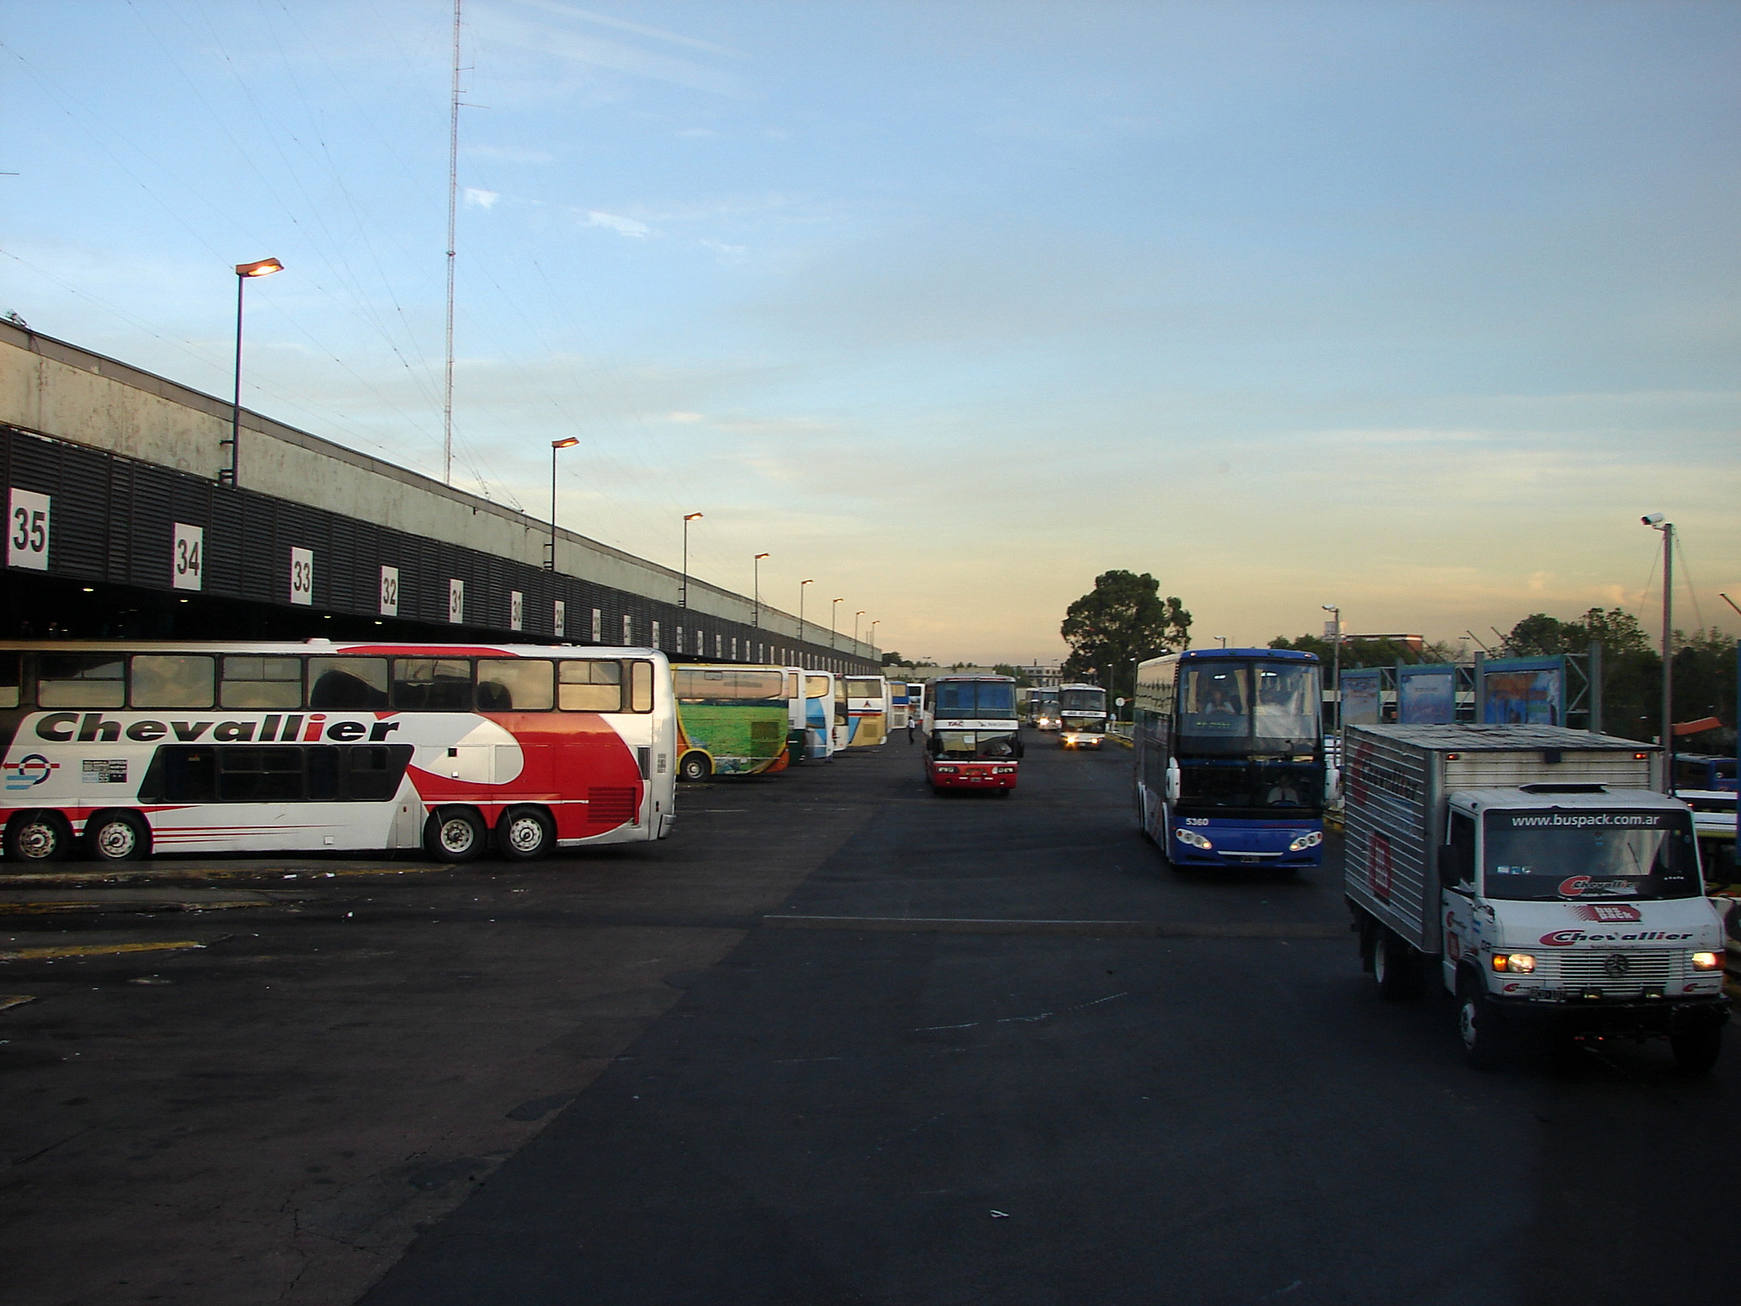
(275, 728)
(1570, 938)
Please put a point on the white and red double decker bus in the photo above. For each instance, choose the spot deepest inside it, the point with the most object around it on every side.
(972, 737)
(255, 747)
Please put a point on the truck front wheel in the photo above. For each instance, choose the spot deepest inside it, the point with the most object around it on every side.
(1695, 1050)
(1479, 1024)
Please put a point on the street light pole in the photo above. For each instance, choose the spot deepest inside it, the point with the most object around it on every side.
(683, 592)
(244, 273)
(1336, 660)
(569, 443)
(1656, 523)
(833, 622)
(855, 617)
(801, 585)
(756, 572)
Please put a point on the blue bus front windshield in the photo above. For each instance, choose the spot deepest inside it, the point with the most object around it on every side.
(965, 699)
(1241, 708)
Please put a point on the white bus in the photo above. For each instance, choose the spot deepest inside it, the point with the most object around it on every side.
(812, 714)
(1081, 716)
(866, 703)
(268, 747)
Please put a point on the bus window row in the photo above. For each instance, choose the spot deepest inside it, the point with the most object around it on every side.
(255, 682)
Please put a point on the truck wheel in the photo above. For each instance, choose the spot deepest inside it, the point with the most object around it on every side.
(1696, 1049)
(1394, 967)
(1479, 1024)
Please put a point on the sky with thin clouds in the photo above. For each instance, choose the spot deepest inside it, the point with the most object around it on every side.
(1413, 308)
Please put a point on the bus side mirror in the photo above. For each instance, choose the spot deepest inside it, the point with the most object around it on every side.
(1332, 783)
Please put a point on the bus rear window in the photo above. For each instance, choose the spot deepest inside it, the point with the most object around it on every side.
(81, 680)
(261, 683)
(515, 685)
(359, 684)
(432, 684)
(589, 685)
(173, 679)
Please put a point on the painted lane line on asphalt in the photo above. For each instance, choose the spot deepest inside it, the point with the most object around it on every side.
(96, 950)
(1106, 929)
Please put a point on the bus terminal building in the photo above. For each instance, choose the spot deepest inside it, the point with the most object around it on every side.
(123, 522)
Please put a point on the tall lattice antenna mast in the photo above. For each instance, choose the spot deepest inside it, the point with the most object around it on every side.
(452, 202)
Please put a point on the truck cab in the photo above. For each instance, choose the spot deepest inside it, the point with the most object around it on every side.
(1582, 905)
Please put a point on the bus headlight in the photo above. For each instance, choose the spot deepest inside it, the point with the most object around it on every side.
(1306, 841)
(1514, 963)
(1191, 839)
(1707, 961)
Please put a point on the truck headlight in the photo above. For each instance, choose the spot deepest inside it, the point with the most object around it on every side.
(1707, 961)
(1191, 839)
(1513, 963)
(1306, 841)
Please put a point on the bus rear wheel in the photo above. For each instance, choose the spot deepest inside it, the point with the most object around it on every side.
(36, 837)
(454, 834)
(694, 766)
(118, 836)
(525, 833)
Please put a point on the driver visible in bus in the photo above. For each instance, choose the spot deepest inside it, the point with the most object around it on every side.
(1219, 702)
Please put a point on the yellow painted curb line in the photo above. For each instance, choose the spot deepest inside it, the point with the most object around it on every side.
(95, 950)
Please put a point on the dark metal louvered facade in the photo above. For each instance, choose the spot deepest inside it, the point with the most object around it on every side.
(196, 558)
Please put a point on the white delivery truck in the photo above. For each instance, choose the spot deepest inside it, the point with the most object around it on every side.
(1541, 875)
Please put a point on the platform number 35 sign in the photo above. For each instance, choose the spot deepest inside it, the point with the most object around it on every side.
(27, 530)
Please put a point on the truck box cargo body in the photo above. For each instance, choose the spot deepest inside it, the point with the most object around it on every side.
(1395, 787)
(1538, 872)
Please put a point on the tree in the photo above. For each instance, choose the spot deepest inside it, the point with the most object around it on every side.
(1364, 652)
(1539, 635)
(1121, 621)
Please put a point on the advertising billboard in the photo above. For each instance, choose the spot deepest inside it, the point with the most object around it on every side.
(1426, 695)
(1524, 691)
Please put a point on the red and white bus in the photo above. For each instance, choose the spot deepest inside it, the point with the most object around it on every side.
(972, 737)
(255, 747)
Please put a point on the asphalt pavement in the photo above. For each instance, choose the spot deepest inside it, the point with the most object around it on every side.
(839, 1040)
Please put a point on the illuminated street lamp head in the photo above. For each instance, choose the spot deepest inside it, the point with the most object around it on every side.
(568, 443)
(690, 516)
(264, 268)
(761, 555)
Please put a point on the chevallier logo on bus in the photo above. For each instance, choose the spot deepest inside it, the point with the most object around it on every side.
(275, 728)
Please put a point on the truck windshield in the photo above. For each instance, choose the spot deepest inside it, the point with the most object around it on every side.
(1567, 854)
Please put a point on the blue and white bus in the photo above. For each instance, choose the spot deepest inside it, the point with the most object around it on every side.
(1229, 751)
